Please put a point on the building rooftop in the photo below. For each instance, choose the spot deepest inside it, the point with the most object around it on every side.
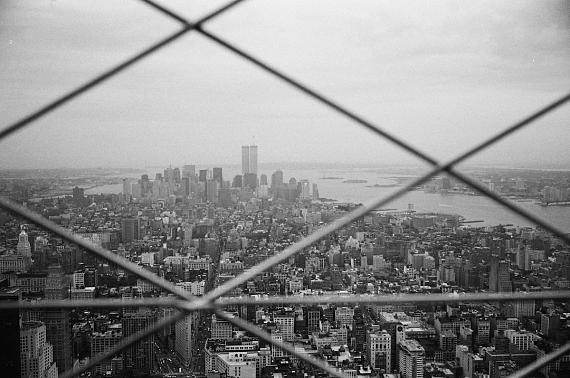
(412, 346)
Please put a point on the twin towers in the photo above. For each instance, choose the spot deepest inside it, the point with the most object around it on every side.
(249, 159)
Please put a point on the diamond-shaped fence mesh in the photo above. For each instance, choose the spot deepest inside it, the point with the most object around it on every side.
(214, 300)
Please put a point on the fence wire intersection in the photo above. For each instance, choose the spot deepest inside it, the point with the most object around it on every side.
(213, 300)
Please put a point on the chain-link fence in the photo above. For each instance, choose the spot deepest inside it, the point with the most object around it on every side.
(214, 300)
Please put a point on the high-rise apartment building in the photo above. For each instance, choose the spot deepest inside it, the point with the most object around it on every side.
(249, 159)
(412, 356)
(36, 353)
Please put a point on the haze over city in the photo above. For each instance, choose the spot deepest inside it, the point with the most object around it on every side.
(209, 197)
(442, 76)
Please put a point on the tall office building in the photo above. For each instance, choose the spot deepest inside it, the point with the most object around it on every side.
(10, 331)
(249, 159)
(183, 338)
(169, 174)
(358, 329)
(203, 175)
(57, 321)
(499, 276)
(139, 356)
(189, 171)
(253, 159)
(244, 159)
(379, 350)
(217, 175)
(212, 187)
(36, 353)
(263, 179)
(176, 174)
(102, 342)
(313, 319)
(315, 192)
(127, 186)
(237, 182)
(277, 179)
(24, 249)
(285, 321)
(412, 356)
(130, 229)
(250, 181)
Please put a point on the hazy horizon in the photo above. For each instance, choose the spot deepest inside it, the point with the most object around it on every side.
(300, 165)
(442, 76)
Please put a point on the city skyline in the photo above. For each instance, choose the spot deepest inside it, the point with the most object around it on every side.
(285, 189)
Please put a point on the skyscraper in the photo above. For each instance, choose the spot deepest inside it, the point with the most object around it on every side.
(253, 159)
(217, 175)
(238, 181)
(263, 179)
(250, 180)
(244, 159)
(499, 276)
(130, 229)
(249, 159)
(379, 350)
(176, 174)
(127, 186)
(102, 342)
(58, 321)
(212, 187)
(189, 171)
(277, 179)
(140, 355)
(10, 331)
(203, 176)
(183, 338)
(36, 353)
(24, 249)
(412, 356)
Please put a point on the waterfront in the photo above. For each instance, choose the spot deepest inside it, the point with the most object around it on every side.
(331, 185)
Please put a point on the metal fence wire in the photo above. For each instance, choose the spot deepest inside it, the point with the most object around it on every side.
(213, 301)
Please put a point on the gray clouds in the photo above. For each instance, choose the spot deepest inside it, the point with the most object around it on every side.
(443, 75)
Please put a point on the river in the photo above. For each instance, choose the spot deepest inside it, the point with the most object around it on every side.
(331, 185)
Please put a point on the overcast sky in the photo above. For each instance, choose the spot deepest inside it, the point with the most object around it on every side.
(442, 75)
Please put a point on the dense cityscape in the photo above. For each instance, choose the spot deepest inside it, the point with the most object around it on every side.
(198, 229)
